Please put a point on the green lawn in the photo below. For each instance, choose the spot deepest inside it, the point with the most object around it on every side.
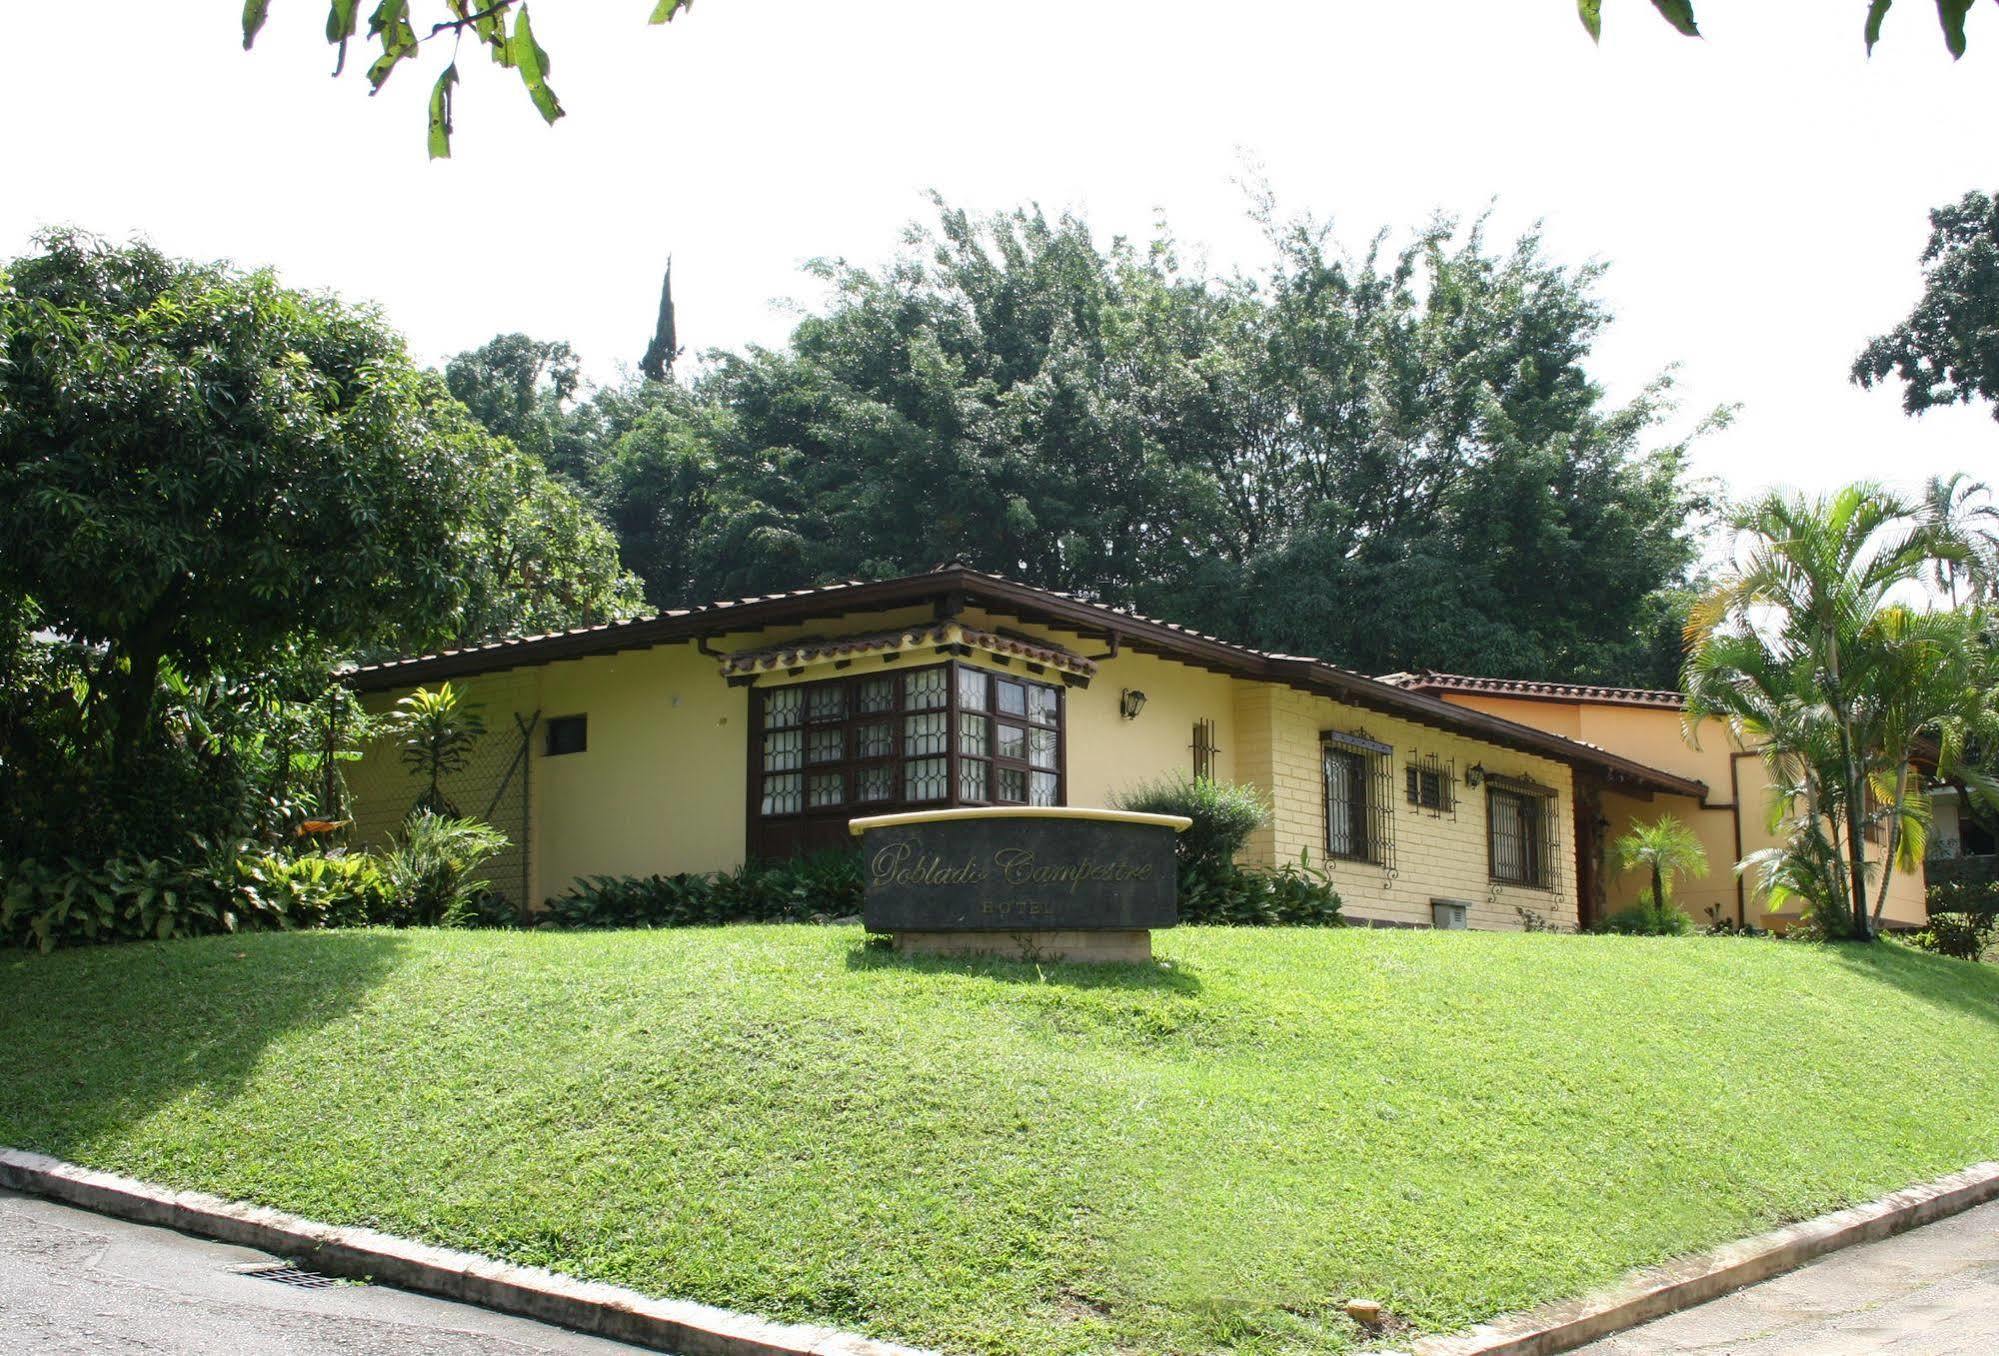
(1208, 1155)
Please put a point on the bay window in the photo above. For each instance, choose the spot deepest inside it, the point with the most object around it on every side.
(942, 735)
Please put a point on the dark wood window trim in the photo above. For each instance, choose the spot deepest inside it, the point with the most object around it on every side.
(967, 729)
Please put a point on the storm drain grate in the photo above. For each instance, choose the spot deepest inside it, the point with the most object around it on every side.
(284, 1273)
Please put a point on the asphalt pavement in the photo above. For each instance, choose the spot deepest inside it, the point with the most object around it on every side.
(77, 1284)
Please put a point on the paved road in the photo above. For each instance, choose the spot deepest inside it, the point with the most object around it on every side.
(1931, 1292)
(78, 1284)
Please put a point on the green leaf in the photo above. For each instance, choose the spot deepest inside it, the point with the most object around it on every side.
(440, 113)
(254, 14)
(526, 54)
(1951, 13)
(1680, 14)
(1590, 11)
(666, 9)
(1875, 13)
(340, 17)
(339, 28)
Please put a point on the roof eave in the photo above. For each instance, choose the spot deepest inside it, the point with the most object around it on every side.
(957, 583)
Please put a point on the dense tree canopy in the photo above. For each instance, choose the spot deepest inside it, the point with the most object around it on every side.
(202, 467)
(1947, 351)
(1286, 458)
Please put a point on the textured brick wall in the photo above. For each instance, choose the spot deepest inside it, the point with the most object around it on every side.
(1277, 747)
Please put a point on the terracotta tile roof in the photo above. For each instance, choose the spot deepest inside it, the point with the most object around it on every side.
(952, 586)
(812, 650)
(1433, 682)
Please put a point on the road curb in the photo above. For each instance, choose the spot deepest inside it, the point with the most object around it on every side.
(602, 1310)
(1657, 1291)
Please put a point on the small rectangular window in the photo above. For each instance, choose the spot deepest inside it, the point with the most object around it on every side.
(1204, 750)
(568, 734)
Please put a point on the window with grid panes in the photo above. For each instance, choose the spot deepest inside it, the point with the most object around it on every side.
(945, 734)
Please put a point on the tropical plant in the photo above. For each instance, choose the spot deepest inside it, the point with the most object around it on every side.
(822, 887)
(1929, 693)
(136, 898)
(1295, 894)
(1805, 652)
(1666, 849)
(435, 732)
(426, 874)
(1963, 510)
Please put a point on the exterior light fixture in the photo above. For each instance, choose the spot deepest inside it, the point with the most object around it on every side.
(1475, 774)
(1131, 701)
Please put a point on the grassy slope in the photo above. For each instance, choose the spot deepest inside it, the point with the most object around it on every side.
(1208, 1155)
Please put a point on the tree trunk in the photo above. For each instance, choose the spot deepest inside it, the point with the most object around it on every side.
(1856, 845)
(1658, 888)
(132, 704)
(1894, 843)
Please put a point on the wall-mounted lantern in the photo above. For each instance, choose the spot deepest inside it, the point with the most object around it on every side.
(1475, 774)
(1131, 701)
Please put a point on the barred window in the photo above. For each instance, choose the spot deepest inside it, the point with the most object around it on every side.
(1359, 813)
(1430, 784)
(1520, 827)
(1204, 749)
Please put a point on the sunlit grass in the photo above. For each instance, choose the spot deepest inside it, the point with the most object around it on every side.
(1212, 1154)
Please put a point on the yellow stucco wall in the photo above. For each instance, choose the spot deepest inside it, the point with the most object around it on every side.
(659, 788)
(1436, 857)
(1655, 737)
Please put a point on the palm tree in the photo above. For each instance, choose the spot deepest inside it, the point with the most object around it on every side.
(1929, 694)
(1788, 648)
(1667, 848)
(1960, 508)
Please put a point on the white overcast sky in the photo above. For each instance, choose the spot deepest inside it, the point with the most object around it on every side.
(1760, 195)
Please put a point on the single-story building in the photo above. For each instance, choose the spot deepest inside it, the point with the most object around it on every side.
(701, 737)
(1732, 820)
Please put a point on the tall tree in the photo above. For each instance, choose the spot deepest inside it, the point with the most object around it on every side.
(1803, 649)
(205, 472)
(1249, 454)
(520, 388)
(1947, 351)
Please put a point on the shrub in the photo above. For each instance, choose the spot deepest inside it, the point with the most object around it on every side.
(1225, 814)
(1296, 894)
(1967, 936)
(1648, 918)
(132, 898)
(1964, 893)
(334, 890)
(427, 873)
(823, 886)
